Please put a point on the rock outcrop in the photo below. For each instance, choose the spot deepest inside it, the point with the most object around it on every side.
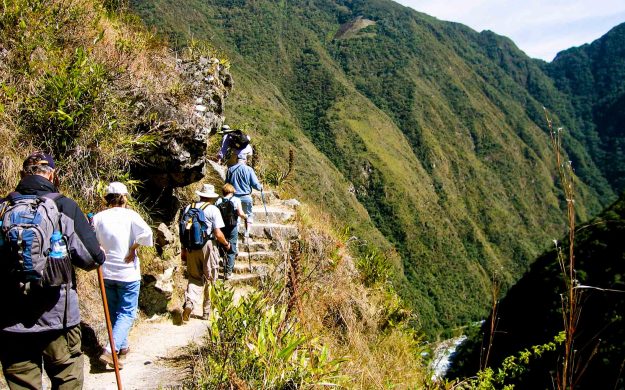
(178, 157)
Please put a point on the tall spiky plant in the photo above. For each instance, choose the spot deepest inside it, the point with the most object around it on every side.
(571, 298)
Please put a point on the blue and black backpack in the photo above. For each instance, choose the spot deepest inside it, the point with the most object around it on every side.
(193, 227)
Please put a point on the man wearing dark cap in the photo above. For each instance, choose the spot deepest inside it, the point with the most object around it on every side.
(43, 324)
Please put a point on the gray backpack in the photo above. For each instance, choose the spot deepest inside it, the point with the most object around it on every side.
(28, 224)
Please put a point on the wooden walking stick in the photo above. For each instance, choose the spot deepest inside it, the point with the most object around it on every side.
(109, 328)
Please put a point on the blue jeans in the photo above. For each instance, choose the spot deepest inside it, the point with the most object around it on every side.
(123, 300)
(232, 253)
(246, 205)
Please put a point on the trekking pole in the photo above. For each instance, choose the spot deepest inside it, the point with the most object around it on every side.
(262, 196)
(247, 243)
(109, 328)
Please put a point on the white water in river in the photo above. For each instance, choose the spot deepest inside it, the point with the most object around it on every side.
(442, 354)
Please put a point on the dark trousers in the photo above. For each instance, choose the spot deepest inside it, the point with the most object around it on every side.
(23, 354)
(232, 237)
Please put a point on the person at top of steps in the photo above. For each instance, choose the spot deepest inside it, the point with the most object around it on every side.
(121, 231)
(243, 179)
(229, 151)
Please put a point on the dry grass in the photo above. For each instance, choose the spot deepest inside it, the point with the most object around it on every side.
(350, 317)
(134, 64)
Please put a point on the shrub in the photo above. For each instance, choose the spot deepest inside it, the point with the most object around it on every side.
(256, 343)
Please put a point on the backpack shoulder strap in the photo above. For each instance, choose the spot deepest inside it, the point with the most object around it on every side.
(5, 204)
(204, 206)
(52, 196)
(13, 196)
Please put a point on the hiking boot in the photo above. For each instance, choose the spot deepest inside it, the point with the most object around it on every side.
(107, 359)
(186, 313)
(124, 351)
(176, 316)
(227, 275)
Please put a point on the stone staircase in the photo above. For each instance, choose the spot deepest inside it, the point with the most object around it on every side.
(262, 251)
(268, 237)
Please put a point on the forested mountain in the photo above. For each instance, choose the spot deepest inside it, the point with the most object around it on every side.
(425, 139)
(593, 76)
(531, 313)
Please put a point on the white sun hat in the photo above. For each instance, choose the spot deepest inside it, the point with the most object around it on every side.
(208, 191)
(116, 188)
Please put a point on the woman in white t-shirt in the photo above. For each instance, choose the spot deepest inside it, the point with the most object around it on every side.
(120, 232)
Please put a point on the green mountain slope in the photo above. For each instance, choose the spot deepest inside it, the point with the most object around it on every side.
(422, 136)
(531, 313)
(594, 76)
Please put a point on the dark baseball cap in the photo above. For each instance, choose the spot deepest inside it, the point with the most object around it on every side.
(39, 158)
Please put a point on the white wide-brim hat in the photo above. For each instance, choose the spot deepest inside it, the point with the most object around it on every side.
(208, 191)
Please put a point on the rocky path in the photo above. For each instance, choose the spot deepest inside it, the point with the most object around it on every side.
(155, 344)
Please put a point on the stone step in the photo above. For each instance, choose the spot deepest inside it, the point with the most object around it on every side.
(248, 279)
(246, 266)
(258, 245)
(254, 267)
(258, 256)
(273, 231)
(270, 197)
(273, 214)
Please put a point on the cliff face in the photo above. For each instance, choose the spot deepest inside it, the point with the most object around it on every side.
(178, 157)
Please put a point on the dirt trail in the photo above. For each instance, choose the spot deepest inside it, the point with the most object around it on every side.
(152, 361)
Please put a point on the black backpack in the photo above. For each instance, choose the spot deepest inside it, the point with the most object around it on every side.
(228, 214)
(238, 139)
(193, 227)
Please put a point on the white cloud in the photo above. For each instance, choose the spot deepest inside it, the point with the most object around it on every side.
(540, 28)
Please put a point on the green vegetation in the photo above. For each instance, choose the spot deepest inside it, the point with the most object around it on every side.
(423, 136)
(426, 138)
(532, 314)
(256, 343)
(64, 89)
(423, 139)
(593, 75)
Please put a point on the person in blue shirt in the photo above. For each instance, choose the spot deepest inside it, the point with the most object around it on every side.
(243, 179)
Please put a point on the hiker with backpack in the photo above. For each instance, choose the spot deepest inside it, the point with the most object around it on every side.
(200, 229)
(243, 178)
(120, 231)
(233, 143)
(44, 235)
(231, 210)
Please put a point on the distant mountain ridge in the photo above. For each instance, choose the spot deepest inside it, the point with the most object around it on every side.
(424, 138)
(593, 76)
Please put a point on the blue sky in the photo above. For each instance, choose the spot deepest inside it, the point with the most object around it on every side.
(539, 28)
